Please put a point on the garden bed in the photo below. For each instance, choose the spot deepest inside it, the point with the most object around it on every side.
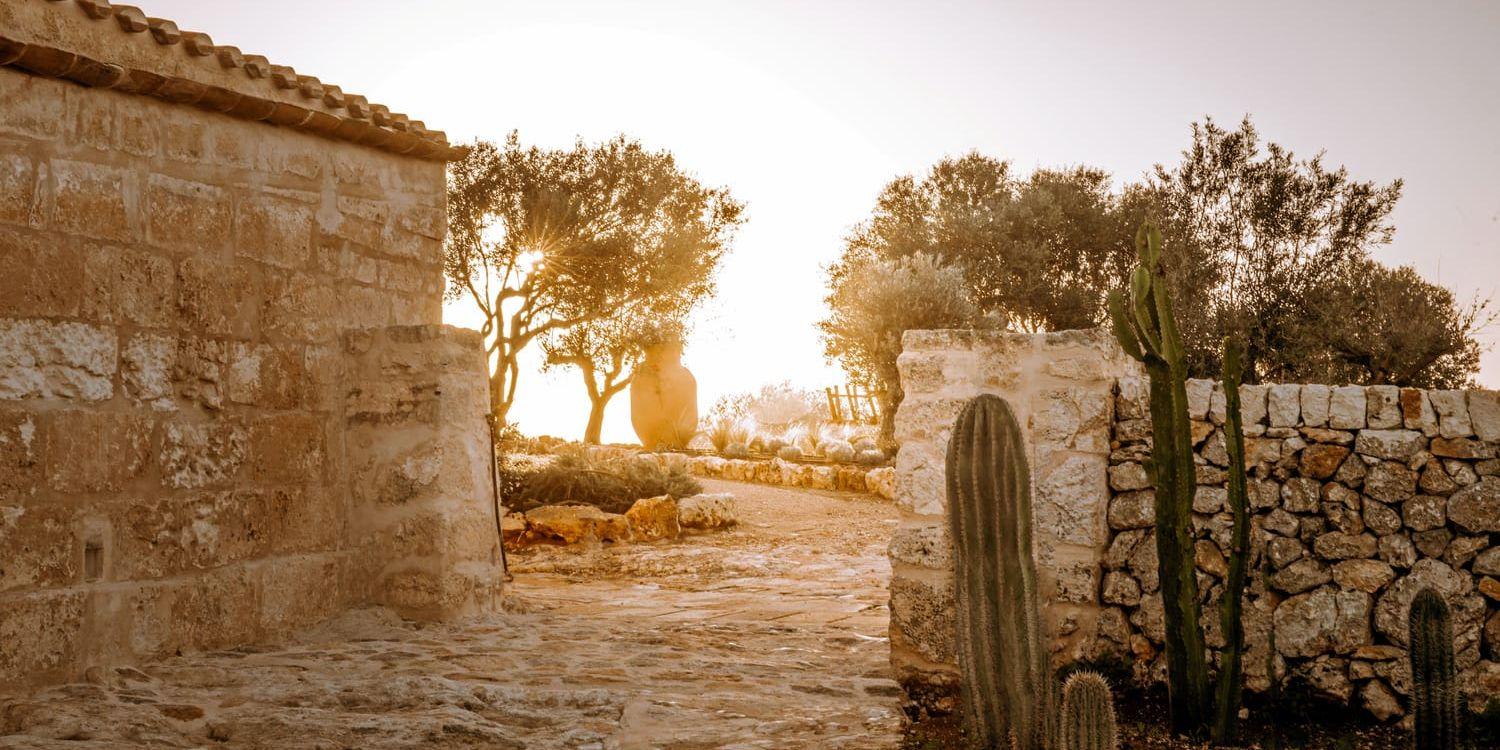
(878, 481)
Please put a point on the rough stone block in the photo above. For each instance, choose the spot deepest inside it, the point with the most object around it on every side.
(271, 376)
(1316, 401)
(96, 451)
(200, 455)
(1383, 403)
(1398, 444)
(928, 545)
(219, 299)
(920, 482)
(22, 190)
(361, 221)
(1072, 418)
(653, 518)
(33, 105)
(186, 215)
(42, 359)
(121, 285)
(288, 602)
(1253, 403)
(21, 469)
(94, 200)
(1417, 412)
(1284, 405)
(50, 624)
(302, 307)
(1347, 408)
(1070, 500)
(1453, 413)
(198, 370)
(923, 612)
(146, 366)
(1476, 508)
(274, 230)
(39, 545)
(164, 535)
(287, 448)
(1321, 622)
(1199, 394)
(707, 512)
(1484, 413)
(41, 274)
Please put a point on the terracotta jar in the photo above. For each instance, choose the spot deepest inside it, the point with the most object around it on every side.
(664, 399)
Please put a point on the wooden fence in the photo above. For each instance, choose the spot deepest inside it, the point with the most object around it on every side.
(852, 405)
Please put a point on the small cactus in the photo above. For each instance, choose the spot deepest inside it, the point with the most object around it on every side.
(789, 453)
(1434, 694)
(1088, 714)
(839, 451)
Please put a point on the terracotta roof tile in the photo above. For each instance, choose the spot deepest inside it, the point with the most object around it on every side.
(69, 39)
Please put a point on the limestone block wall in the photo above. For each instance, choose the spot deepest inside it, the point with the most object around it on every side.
(1061, 386)
(1361, 496)
(422, 505)
(175, 383)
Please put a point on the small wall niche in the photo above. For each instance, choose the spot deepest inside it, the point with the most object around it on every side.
(93, 560)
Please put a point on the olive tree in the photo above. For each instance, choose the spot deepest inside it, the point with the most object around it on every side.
(542, 240)
(873, 301)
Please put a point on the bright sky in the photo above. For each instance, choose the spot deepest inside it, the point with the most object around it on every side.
(805, 108)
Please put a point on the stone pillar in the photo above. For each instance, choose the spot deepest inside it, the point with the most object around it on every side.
(1061, 387)
(422, 509)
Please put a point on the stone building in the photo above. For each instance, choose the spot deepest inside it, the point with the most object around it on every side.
(227, 405)
(1359, 497)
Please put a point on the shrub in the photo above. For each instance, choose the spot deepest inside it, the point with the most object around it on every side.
(611, 484)
(724, 432)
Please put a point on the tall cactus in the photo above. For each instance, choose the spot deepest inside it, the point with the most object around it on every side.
(1434, 694)
(1231, 667)
(1147, 331)
(1088, 714)
(1001, 649)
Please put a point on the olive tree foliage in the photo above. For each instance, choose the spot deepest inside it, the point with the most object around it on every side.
(543, 240)
(1267, 229)
(873, 301)
(1381, 325)
(1042, 251)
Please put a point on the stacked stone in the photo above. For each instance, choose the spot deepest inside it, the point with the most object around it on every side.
(1360, 497)
(880, 482)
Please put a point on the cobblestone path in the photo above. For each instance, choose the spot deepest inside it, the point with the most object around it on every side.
(771, 635)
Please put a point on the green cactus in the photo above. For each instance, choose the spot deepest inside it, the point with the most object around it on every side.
(1434, 694)
(1147, 331)
(1088, 714)
(1001, 649)
(1231, 667)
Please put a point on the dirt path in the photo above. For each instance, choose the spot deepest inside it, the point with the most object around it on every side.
(772, 635)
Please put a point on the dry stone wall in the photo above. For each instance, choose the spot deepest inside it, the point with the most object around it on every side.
(182, 416)
(1360, 497)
